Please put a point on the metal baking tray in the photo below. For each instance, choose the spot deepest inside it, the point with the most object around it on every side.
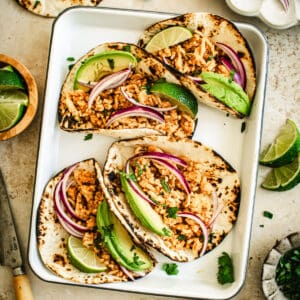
(75, 32)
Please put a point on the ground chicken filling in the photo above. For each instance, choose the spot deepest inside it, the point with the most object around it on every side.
(84, 195)
(75, 105)
(165, 189)
(194, 56)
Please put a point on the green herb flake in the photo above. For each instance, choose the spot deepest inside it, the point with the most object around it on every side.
(111, 63)
(211, 237)
(147, 87)
(225, 269)
(261, 225)
(165, 185)
(132, 248)
(36, 3)
(172, 212)
(70, 58)
(181, 237)
(70, 66)
(129, 176)
(87, 137)
(170, 269)
(211, 57)
(243, 127)
(267, 214)
(166, 231)
(141, 170)
(287, 274)
(127, 48)
(136, 260)
(107, 230)
(231, 75)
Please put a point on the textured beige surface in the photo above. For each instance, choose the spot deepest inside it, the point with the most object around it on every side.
(26, 37)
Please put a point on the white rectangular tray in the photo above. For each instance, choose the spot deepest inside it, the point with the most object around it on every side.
(74, 33)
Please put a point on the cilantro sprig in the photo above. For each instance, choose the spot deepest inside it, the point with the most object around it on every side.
(225, 269)
(170, 269)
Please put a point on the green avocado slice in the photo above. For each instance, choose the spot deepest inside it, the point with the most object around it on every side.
(143, 210)
(97, 66)
(119, 242)
(227, 91)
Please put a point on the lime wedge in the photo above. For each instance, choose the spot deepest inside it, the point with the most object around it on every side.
(102, 64)
(10, 80)
(168, 37)
(283, 178)
(285, 147)
(14, 96)
(177, 95)
(10, 114)
(82, 258)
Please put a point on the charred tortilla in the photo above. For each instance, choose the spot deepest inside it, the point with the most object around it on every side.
(87, 191)
(51, 8)
(201, 53)
(214, 198)
(74, 113)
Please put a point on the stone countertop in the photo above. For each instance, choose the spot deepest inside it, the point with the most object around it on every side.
(26, 37)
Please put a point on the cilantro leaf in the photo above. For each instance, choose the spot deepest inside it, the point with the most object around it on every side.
(111, 63)
(172, 212)
(87, 137)
(165, 185)
(267, 214)
(170, 269)
(225, 269)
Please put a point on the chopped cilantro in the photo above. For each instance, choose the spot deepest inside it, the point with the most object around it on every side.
(70, 66)
(232, 72)
(170, 269)
(70, 58)
(108, 229)
(211, 237)
(87, 137)
(105, 112)
(287, 274)
(111, 63)
(36, 3)
(243, 127)
(127, 48)
(136, 260)
(172, 212)
(147, 87)
(140, 169)
(261, 225)
(267, 214)
(128, 176)
(165, 185)
(181, 237)
(166, 231)
(138, 59)
(133, 248)
(225, 269)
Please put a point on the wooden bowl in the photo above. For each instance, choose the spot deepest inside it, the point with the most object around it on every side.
(32, 95)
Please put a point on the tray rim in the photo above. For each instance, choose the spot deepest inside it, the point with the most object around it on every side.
(252, 193)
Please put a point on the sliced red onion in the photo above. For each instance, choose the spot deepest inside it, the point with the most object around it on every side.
(108, 82)
(127, 272)
(87, 84)
(202, 225)
(136, 187)
(135, 111)
(236, 62)
(163, 156)
(285, 4)
(63, 191)
(69, 229)
(59, 208)
(196, 79)
(229, 66)
(134, 102)
(176, 173)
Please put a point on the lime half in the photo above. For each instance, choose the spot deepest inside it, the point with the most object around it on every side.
(10, 80)
(283, 178)
(82, 258)
(14, 96)
(285, 147)
(10, 114)
(168, 37)
(177, 95)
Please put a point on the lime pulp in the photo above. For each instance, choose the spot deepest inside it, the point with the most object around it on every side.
(10, 114)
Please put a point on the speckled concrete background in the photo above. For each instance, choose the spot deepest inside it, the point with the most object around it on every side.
(26, 37)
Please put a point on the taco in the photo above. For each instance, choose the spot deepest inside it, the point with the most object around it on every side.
(74, 209)
(51, 8)
(210, 56)
(179, 197)
(108, 91)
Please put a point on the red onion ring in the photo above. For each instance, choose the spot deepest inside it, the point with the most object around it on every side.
(229, 66)
(126, 272)
(108, 82)
(135, 111)
(285, 4)
(202, 225)
(236, 62)
(134, 102)
(87, 84)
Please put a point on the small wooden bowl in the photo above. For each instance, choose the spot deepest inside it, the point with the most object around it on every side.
(32, 95)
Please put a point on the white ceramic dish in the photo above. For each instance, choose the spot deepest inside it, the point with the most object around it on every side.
(269, 11)
(74, 33)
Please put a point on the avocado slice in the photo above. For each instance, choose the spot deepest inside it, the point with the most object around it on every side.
(143, 210)
(97, 66)
(119, 242)
(227, 91)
